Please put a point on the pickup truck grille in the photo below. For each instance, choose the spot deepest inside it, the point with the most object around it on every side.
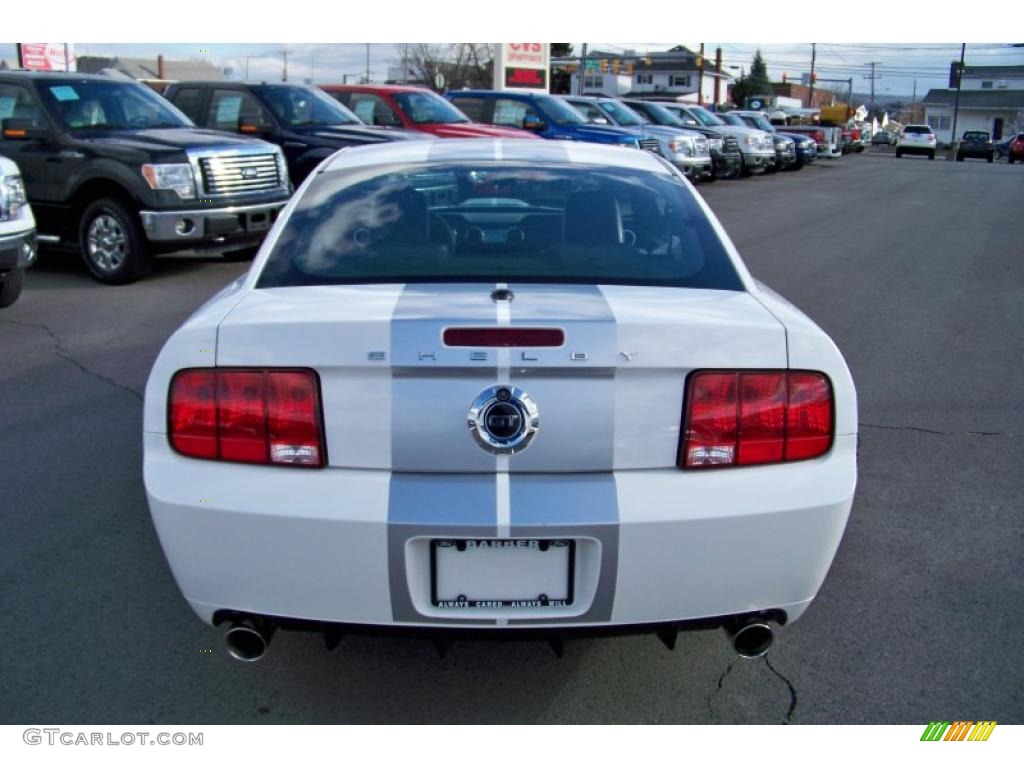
(238, 174)
(730, 145)
(650, 145)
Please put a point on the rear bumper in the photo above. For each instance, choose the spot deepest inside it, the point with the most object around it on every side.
(18, 250)
(210, 225)
(351, 546)
(912, 149)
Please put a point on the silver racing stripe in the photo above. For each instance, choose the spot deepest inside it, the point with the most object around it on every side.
(487, 496)
(422, 506)
(578, 506)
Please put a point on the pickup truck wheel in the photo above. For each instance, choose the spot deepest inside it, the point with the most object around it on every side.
(931, 155)
(991, 158)
(112, 243)
(959, 158)
(898, 153)
(10, 286)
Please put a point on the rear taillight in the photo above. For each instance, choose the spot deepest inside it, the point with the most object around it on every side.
(253, 416)
(740, 418)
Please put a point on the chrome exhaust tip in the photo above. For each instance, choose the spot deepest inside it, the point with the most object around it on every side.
(753, 639)
(248, 639)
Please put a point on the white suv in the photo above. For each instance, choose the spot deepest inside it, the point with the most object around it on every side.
(17, 233)
(916, 140)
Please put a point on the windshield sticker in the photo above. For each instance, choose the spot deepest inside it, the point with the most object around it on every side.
(64, 93)
(228, 110)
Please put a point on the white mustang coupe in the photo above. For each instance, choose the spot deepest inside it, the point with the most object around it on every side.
(503, 389)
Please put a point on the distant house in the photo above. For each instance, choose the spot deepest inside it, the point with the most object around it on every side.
(672, 75)
(150, 69)
(991, 99)
(822, 96)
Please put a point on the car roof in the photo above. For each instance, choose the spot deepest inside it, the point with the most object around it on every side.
(387, 88)
(490, 150)
(32, 74)
(234, 83)
(503, 94)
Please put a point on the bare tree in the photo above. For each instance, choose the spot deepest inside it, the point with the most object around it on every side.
(463, 65)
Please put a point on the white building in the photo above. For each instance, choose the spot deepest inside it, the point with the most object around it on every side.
(991, 99)
(673, 75)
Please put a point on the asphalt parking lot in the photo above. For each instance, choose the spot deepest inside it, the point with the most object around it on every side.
(915, 269)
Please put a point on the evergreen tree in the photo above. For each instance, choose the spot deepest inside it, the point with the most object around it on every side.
(758, 81)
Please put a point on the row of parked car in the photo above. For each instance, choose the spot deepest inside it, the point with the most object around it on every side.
(120, 173)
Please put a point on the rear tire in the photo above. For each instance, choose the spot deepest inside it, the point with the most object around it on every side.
(898, 153)
(112, 243)
(931, 155)
(991, 158)
(959, 158)
(1010, 158)
(10, 287)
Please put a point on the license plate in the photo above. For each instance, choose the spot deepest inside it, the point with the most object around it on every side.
(502, 573)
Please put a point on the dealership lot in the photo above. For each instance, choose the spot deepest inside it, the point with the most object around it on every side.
(912, 266)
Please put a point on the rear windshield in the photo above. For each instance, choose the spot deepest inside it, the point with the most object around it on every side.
(917, 129)
(499, 222)
(976, 135)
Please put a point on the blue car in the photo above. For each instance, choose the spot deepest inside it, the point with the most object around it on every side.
(547, 116)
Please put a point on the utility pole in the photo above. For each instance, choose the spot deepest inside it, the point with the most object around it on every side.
(849, 94)
(872, 77)
(284, 54)
(405, 63)
(367, 62)
(718, 78)
(700, 81)
(246, 67)
(814, 53)
(583, 70)
(959, 82)
(913, 105)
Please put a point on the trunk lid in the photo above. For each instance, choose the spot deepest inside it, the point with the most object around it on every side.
(395, 397)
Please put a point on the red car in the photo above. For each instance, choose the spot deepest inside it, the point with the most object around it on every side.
(1016, 149)
(407, 106)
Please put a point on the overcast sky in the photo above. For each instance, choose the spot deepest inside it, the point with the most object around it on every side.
(899, 65)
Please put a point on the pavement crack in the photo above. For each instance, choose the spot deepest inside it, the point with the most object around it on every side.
(65, 354)
(969, 433)
(792, 691)
(718, 688)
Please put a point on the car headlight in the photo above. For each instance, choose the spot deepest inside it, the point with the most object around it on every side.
(716, 144)
(631, 142)
(751, 141)
(681, 145)
(12, 197)
(176, 176)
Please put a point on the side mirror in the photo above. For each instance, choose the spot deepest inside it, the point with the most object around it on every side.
(534, 123)
(20, 128)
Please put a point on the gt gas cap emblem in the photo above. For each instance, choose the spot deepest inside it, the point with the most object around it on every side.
(503, 420)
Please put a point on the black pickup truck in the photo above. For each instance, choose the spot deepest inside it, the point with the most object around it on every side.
(305, 122)
(115, 172)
